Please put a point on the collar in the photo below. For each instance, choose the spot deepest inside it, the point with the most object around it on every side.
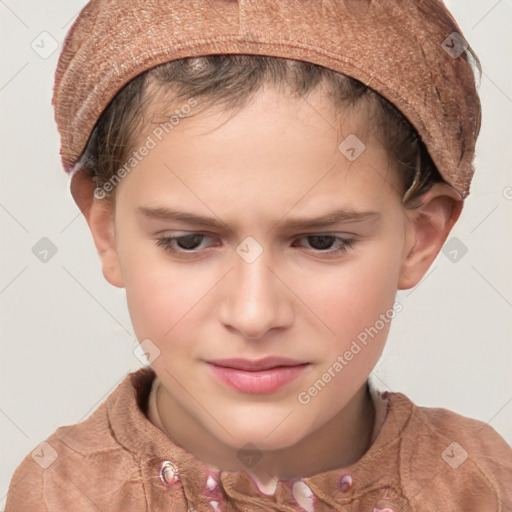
(376, 472)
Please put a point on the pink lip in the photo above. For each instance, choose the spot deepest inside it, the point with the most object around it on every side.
(259, 376)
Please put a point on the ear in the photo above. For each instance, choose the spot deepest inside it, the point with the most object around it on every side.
(100, 216)
(428, 226)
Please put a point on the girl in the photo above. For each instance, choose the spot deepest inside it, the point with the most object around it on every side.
(261, 178)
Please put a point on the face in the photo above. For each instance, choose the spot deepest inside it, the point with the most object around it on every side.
(262, 276)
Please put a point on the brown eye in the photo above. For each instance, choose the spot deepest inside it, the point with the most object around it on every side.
(181, 243)
(321, 242)
(328, 244)
(189, 242)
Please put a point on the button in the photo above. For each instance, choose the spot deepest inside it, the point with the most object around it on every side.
(169, 473)
(345, 483)
(303, 495)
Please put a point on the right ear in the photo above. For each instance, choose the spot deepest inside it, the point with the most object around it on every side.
(99, 215)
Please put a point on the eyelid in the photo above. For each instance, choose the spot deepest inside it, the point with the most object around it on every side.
(184, 234)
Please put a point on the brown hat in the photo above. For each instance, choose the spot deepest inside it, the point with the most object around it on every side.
(411, 52)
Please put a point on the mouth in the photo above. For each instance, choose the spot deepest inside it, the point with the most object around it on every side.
(260, 376)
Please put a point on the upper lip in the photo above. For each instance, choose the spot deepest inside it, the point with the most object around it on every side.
(256, 364)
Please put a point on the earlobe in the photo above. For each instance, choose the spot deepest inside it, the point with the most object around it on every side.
(428, 227)
(99, 215)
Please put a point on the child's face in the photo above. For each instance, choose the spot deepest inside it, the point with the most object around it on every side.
(305, 298)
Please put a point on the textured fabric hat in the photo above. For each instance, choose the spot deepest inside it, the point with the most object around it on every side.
(411, 52)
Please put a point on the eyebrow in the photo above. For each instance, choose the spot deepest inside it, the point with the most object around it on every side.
(329, 219)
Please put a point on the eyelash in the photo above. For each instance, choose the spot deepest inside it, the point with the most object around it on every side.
(166, 243)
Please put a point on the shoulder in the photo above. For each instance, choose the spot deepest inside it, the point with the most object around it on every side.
(463, 461)
(75, 467)
(65, 465)
(25, 491)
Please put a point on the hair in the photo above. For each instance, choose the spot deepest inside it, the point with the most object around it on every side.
(229, 81)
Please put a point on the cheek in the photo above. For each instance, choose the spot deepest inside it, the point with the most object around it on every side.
(166, 301)
(356, 303)
(351, 297)
(154, 294)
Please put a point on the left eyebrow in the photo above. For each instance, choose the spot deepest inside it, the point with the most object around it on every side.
(329, 219)
(332, 218)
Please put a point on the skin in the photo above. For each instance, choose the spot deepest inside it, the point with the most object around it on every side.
(254, 170)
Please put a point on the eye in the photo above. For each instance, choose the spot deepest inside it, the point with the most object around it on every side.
(322, 243)
(186, 243)
(191, 243)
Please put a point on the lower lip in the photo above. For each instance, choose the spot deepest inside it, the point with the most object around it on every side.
(260, 382)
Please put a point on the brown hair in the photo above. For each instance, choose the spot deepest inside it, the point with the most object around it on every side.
(229, 81)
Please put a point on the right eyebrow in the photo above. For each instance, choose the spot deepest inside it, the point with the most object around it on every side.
(164, 213)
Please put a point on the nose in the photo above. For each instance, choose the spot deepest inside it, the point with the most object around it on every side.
(255, 299)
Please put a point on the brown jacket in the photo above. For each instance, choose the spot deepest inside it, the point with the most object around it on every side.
(423, 459)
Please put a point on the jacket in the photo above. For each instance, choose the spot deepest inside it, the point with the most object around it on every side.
(423, 459)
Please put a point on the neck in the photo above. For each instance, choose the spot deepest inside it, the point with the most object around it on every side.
(340, 442)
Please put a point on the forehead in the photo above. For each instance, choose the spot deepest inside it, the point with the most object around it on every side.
(277, 149)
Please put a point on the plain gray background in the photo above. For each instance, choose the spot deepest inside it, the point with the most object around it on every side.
(66, 336)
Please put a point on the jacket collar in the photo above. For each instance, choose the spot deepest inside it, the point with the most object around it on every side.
(379, 468)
